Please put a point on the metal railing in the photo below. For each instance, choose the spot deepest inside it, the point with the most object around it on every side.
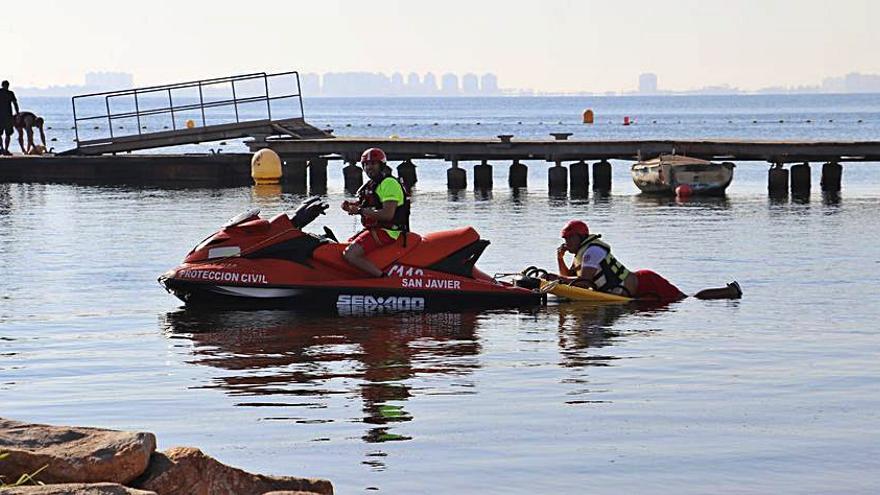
(138, 93)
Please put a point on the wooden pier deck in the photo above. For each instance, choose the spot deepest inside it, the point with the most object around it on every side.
(562, 150)
(306, 161)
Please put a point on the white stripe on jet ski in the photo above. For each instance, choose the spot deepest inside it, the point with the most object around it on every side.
(264, 292)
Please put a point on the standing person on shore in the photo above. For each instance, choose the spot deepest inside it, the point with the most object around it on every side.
(24, 123)
(596, 268)
(7, 101)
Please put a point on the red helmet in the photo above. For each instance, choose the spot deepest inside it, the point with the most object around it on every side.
(373, 155)
(575, 227)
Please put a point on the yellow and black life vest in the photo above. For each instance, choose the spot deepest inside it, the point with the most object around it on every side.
(611, 273)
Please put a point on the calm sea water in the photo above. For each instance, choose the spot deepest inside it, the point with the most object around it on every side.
(774, 393)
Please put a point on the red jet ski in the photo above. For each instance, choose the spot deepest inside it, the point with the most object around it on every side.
(258, 262)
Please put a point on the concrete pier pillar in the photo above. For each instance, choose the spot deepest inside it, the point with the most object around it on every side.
(557, 179)
(354, 177)
(831, 174)
(602, 176)
(318, 175)
(800, 178)
(483, 176)
(579, 175)
(777, 180)
(456, 178)
(518, 175)
(406, 171)
(294, 174)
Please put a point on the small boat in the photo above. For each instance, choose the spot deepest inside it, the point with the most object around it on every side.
(662, 175)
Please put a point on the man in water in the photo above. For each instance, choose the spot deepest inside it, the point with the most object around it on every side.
(596, 268)
(7, 101)
(24, 123)
(384, 209)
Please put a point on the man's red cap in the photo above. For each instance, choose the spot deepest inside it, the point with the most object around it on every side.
(575, 227)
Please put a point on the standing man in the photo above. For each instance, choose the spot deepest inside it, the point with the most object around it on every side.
(384, 210)
(7, 101)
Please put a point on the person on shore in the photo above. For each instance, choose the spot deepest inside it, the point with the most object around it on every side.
(24, 123)
(7, 102)
(596, 268)
(384, 209)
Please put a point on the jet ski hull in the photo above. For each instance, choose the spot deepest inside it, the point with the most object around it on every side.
(344, 299)
(254, 262)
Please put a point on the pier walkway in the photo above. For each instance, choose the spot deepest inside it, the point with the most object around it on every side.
(564, 150)
(190, 113)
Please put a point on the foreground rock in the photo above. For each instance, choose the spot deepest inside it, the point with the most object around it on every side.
(73, 454)
(75, 489)
(188, 470)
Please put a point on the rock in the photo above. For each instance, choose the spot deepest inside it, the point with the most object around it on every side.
(73, 454)
(188, 470)
(75, 489)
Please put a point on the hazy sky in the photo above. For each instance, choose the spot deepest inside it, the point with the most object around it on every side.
(553, 45)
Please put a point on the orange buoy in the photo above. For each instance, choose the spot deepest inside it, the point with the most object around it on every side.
(588, 116)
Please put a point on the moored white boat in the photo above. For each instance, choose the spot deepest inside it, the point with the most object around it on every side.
(662, 175)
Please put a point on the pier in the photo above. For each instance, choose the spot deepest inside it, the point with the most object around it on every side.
(572, 164)
(300, 154)
(267, 110)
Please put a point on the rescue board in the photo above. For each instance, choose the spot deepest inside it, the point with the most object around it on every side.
(580, 294)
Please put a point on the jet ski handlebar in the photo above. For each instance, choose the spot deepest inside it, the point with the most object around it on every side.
(308, 211)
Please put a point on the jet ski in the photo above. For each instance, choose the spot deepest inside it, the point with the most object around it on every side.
(272, 262)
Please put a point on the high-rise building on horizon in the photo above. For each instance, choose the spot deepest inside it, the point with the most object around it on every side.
(648, 83)
(470, 84)
(489, 84)
(429, 84)
(449, 84)
(397, 84)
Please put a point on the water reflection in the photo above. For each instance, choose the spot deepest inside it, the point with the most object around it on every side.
(5, 199)
(519, 195)
(585, 329)
(708, 202)
(483, 194)
(801, 198)
(294, 360)
(585, 326)
(831, 198)
(455, 195)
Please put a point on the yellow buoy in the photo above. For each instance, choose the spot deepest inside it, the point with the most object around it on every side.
(588, 116)
(266, 167)
(190, 123)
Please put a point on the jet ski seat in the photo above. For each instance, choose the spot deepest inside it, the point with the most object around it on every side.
(331, 254)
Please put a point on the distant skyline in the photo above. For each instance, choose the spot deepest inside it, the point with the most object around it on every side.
(449, 84)
(563, 46)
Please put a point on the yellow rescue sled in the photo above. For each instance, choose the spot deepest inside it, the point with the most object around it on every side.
(571, 293)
